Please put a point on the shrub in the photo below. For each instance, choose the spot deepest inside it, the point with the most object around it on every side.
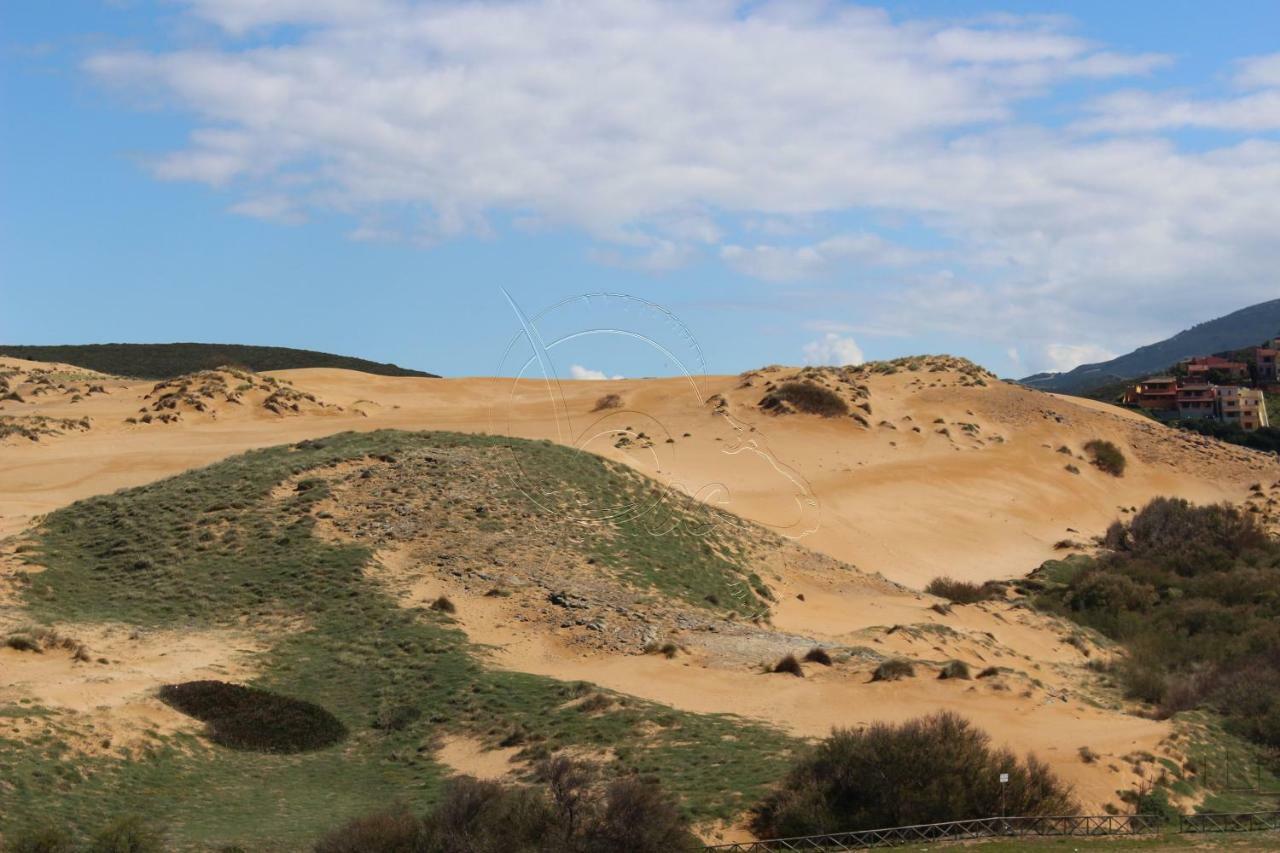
(960, 592)
(790, 666)
(568, 812)
(394, 830)
(41, 838)
(1072, 469)
(608, 401)
(444, 605)
(955, 669)
(1105, 456)
(129, 834)
(668, 649)
(893, 670)
(819, 656)
(928, 770)
(1189, 590)
(806, 397)
(257, 720)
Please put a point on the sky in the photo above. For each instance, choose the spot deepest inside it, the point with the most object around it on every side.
(1032, 185)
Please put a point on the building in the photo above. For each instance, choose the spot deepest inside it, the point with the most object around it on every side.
(1200, 367)
(1244, 407)
(1197, 400)
(1159, 394)
(1267, 363)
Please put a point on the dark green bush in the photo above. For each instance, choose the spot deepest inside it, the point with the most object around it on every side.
(40, 838)
(1105, 456)
(961, 592)
(893, 670)
(790, 666)
(128, 834)
(1190, 591)
(818, 655)
(955, 669)
(807, 397)
(257, 720)
(568, 812)
(928, 770)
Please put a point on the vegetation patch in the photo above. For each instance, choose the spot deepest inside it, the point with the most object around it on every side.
(1190, 591)
(242, 717)
(932, 769)
(962, 592)
(807, 397)
(1105, 456)
(894, 670)
(224, 547)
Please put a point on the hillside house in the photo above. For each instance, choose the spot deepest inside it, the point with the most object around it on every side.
(1244, 407)
(1197, 400)
(1267, 363)
(1159, 394)
(1200, 366)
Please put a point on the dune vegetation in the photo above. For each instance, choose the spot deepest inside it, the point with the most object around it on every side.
(215, 548)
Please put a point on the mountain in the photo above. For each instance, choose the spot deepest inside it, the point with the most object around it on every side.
(166, 361)
(1244, 328)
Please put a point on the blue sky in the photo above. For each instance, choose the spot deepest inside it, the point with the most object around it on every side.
(1027, 184)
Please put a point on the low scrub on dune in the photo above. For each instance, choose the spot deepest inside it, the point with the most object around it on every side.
(928, 770)
(225, 547)
(257, 720)
(608, 401)
(961, 592)
(1191, 592)
(807, 397)
(568, 812)
(1105, 456)
(894, 670)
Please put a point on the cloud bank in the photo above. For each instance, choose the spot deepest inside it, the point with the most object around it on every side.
(665, 131)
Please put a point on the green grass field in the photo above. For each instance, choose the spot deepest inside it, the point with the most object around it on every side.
(212, 549)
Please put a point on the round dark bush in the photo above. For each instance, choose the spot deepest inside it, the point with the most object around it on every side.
(928, 770)
(893, 670)
(806, 397)
(256, 720)
(955, 669)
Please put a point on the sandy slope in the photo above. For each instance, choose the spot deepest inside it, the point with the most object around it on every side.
(911, 505)
(945, 477)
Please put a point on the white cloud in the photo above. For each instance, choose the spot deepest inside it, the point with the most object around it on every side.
(833, 349)
(790, 263)
(577, 371)
(1063, 357)
(666, 130)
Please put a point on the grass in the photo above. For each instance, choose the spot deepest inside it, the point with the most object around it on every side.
(141, 556)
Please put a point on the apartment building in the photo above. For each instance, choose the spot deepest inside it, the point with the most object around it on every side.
(1245, 407)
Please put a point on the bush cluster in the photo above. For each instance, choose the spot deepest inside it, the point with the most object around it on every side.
(1191, 591)
(928, 770)
(128, 834)
(1105, 456)
(807, 397)
(569, 811)
(255, 720)
(962, 592)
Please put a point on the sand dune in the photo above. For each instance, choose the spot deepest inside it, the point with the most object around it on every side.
(937, 475)
(897, 498)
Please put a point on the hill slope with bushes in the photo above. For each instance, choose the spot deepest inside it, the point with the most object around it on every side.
(166, 361)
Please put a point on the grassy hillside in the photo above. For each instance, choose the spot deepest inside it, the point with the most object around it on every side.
(227, 547)
(165, 361)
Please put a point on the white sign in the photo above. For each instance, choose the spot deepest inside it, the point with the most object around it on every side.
(1004, 778)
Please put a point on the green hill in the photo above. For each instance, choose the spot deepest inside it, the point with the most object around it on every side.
(165, 361)
(234, 548)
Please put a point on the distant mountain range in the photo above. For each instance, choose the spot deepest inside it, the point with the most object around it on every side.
(165, 361)
(1244, 328)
